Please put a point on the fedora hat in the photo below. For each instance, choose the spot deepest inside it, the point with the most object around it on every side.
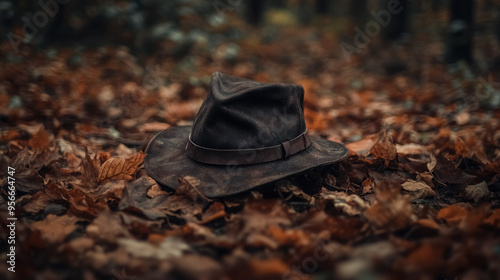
(246, 134)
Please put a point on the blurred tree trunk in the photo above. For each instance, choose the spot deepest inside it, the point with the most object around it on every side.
(497, 29)
(304, 13)
(399, 21)
(437, 5)
(497, 24)
(357, 12)
(460, 31)
(255, 11)
(322, 6)
(276, 3)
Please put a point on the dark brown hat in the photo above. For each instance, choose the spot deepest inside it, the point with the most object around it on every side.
(245, 135)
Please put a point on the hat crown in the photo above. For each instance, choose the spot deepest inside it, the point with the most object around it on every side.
(244, 114)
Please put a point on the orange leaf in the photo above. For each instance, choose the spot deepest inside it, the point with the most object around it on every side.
(362, 147)
(40, 141)
(120, 168)
(384, 148)
(493, 219)
(453, 214)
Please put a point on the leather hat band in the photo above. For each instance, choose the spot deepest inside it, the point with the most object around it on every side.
(247, 156)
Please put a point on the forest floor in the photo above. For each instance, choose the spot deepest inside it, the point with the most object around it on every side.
(417, 198)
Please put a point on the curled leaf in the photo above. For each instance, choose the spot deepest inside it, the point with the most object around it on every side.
(432, 164)
(418, 190)
(477, 192)
(384, 148)
(453, 214)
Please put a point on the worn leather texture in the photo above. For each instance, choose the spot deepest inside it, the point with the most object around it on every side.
(249, 155)
(241, 114)
(262, 115)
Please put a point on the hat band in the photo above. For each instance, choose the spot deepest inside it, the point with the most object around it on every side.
(247, 156)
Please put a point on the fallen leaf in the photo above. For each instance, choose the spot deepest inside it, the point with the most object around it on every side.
(418, 190)
(477, 192)
(367, 186)
(49, 193)
(107, 227)
(453, 214)
(384, 148)
(120, 168)
(28, 181)
(445, 171)
(334, 227)
(256, 217)
(89, 171)
(155, 126)
(362, 147)
(188, 187)
(391, 209)
(345, 203)
(154, 191)
(40, 141)
(429, 255)
(432, 164)
(170, 247)
(256, 268)
(428, 223)
(410, 149)
(494, 218)
(135, 199)
(462, 118)
(55, 228)
(198, 267)
(286, 187)
(427, 178)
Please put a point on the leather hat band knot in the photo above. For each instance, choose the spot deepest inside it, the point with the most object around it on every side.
(247, 156)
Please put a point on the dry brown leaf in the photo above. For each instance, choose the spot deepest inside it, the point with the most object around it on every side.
(428, 223)
(345, 203)
(432, 164)
(384, 148)
(288, 188)
(493, 219)
(40, 140)
(154, 126)
(368, 185)
(427, 178)
(462, 118)
(447, 172)
(9, 134)
(89, 170)
(120, 168)
(427, 256)
(170, 247)
(453, 214)
(267, 269)
(418, 189)
(108, 226)
(391, 209)
(55, 228)
(361, 147)
(410, 149)
(477, 192)
(188, 188)
(155, 190)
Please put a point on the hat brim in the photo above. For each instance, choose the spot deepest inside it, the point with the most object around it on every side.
(166, 160)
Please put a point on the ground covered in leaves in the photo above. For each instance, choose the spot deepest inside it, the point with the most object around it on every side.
(417, 198)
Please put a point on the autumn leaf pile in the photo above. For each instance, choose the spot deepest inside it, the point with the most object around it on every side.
(417, 198)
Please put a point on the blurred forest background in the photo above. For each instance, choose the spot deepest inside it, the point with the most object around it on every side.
(411, 87)
(180, 27)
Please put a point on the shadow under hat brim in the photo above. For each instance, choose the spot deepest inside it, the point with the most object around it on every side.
(166, 160)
